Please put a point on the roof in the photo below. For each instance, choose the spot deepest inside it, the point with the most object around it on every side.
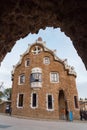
(68, 68)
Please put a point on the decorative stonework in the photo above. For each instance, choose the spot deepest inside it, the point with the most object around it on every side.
(68, 68)
(36, 50)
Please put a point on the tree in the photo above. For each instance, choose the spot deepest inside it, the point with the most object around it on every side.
(1, 95)
(7, 93)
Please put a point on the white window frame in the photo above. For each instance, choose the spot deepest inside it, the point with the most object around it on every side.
(18, 100)
(54, 79)
(36, 50)
(47, 102)
(36, 74)
(27, 60)
(37, 77)
(32, 100)
(19, 82)
(46, 60)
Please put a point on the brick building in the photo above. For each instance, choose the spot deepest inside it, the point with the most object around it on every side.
(43, 86)
(5, 106)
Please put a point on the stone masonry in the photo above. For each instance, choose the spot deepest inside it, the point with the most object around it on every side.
(18, 18)
(54, 91)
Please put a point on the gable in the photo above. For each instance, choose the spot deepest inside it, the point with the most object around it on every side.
(39, 47)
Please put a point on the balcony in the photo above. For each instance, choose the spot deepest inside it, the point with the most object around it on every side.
(36, 84)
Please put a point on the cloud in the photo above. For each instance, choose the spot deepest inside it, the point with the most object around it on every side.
(4, 71)
(82, 89)
(5, 76)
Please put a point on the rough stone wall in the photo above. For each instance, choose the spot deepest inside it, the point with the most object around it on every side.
(66, 83)
(18, 18)
(2, 108)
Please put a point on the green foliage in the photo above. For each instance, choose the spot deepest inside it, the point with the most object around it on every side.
(0, 100)
(1, 94)
(7, 93)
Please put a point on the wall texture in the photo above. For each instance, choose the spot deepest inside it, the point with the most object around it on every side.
(66, 84)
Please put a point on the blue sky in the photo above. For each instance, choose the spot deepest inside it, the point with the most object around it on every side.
(55, 39)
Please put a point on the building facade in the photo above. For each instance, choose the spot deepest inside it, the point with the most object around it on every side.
(44, 86)
(5, 106)
(83, 104)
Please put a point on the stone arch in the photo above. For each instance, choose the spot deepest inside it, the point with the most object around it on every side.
(20, 17)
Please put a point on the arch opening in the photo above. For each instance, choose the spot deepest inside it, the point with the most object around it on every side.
(63, 115)
(54, 39)
(19, 18)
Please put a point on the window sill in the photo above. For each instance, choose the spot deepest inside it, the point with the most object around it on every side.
(50, 110)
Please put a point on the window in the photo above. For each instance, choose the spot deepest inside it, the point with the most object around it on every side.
(76, 101)
(22, 79)
(34, 100)
(20, 100)
(46, 60)
(27, 63)
(54, 77)
(36, 50)
(50, 102)
(36, 77)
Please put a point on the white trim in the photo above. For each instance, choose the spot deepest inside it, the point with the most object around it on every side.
(47, 102)
(26, 62)
(19, 79)
(18, 100)
(36, 70)
(36, 85)
(37, 50)
(70, 69)
(51, 77)
(46, 61)
(36, 100)
(37, 73)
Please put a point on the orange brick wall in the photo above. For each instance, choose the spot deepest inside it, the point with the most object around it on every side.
(66, 83)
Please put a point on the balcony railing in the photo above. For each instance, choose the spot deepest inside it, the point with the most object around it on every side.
(36, 84)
